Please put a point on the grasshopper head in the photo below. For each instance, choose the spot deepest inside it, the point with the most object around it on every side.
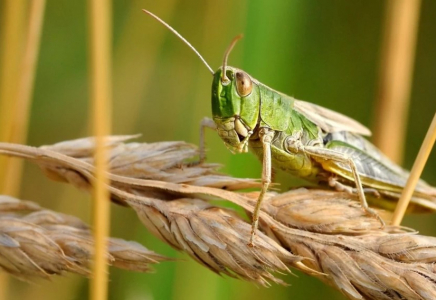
(235, 107)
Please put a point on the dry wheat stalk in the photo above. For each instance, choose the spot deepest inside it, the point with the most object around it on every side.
(35, 242)
(323, 233)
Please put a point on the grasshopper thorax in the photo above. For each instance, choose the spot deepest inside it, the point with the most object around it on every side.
(235, 107)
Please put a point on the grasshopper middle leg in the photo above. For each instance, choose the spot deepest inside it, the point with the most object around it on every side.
(334, 183)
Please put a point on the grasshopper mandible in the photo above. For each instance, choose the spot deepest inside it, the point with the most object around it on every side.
(301, 138)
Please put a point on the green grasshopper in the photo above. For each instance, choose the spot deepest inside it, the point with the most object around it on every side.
(301, 138)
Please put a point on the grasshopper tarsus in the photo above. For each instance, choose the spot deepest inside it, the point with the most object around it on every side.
(371, 212)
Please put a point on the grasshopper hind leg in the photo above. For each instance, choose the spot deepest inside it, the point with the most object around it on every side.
(327, 154)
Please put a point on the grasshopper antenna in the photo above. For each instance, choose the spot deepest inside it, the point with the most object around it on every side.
(224, 78)
(180, 37)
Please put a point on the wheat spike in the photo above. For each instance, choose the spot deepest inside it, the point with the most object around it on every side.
(35, 242)
(323, 233)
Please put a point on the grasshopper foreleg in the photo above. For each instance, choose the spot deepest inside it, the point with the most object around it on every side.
(205, 123)
(328, 154)
(266, 136)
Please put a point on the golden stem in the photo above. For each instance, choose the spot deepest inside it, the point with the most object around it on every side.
(101, 97)
(16, 89)
(415, 174)
(17, 132)
(13, 38)
(396, 72)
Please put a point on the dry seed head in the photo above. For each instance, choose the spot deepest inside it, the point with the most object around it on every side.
(40, 243)
(338, 244)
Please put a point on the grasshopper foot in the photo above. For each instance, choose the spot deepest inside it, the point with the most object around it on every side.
(373, 213)
(251, 242)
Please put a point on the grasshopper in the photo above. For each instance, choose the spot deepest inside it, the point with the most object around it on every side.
(301, 138)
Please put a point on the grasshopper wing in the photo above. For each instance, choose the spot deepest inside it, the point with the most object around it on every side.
(329, 120)
(373, 171)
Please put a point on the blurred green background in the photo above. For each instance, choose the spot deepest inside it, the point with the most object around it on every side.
(326, 52)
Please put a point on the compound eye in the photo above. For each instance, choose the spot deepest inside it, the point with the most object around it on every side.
(244, 85)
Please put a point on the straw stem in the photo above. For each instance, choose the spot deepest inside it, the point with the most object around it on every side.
(17, 131)
(396, 72)
(17, 88)
(100, 71)
(415, 174)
